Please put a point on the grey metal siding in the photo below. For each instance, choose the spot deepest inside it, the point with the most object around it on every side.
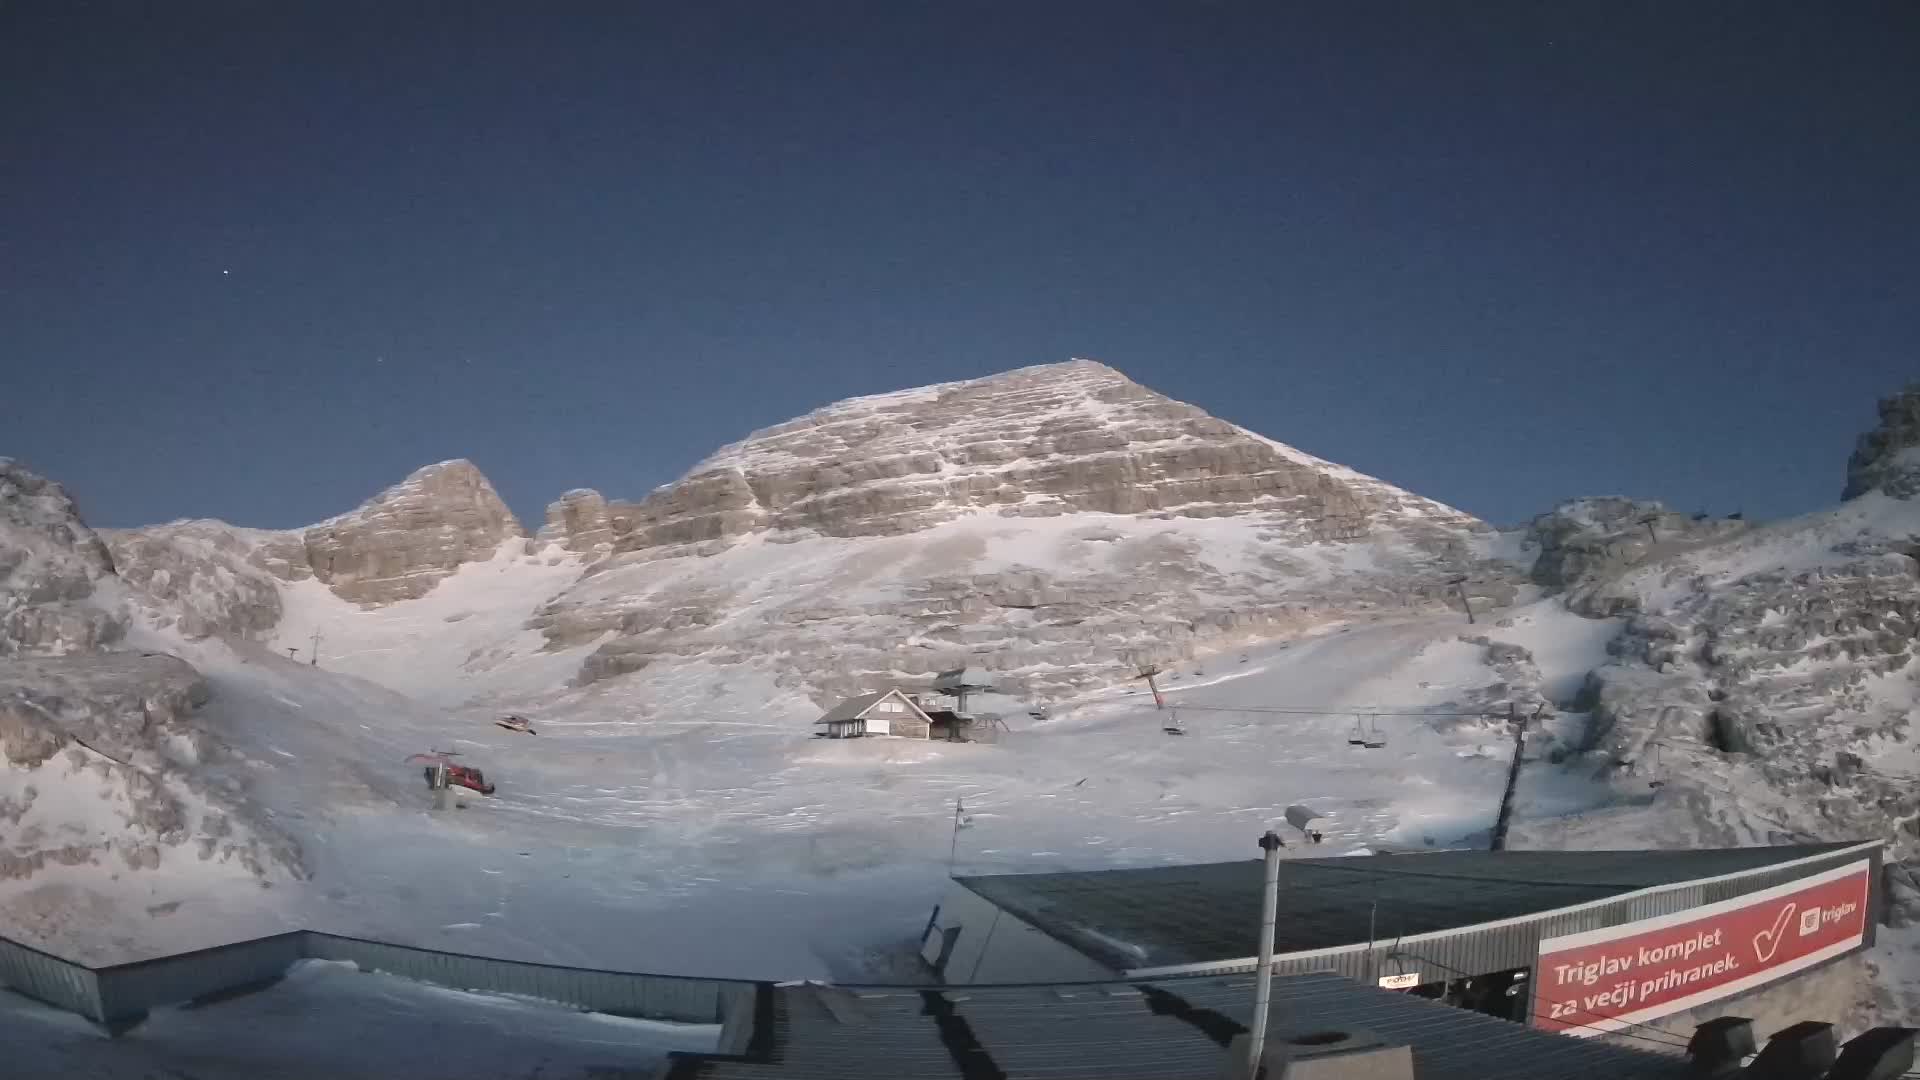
(659, 997)
(47, 978)
(128, 990)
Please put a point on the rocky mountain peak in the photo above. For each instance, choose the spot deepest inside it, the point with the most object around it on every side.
(1037, 441)
(578, 521)
(400, 543)
(1888, 457)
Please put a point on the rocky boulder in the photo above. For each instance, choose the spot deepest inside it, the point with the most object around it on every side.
(1888, 457)
(402, 542)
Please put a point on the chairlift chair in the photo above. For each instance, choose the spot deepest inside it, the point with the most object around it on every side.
(1367, 734)
(1173, 723)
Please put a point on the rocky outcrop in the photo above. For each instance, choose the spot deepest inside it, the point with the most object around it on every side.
(401, 543)
(207, 577)
(1041, 441)
(56, 575)
(99, 753)
(1888, 457)
(1591, 540)
(1763, 688)
(579, 522)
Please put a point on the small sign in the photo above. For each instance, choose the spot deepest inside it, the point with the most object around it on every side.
(1404, 981)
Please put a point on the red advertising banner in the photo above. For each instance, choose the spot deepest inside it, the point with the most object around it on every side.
(1598, 981)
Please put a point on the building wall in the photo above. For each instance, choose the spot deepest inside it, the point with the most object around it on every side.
(1826, 993)
(995, 946)
(911, 726)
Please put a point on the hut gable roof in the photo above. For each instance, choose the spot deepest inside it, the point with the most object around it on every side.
(856, 707)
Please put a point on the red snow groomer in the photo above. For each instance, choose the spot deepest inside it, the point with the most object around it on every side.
(440, 763)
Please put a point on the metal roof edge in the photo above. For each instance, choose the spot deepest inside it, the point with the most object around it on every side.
(1229, 967)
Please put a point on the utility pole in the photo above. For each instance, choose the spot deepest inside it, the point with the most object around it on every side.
(1649, 521)
(314, 658)
(1263, 981)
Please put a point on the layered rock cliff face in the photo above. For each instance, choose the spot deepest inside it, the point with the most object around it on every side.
(402, 542)
(1054, 523)
(208, 577)
(1042, 441)
(1888, 457)
(579, 522)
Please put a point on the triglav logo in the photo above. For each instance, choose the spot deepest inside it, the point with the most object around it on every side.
(1809, 922)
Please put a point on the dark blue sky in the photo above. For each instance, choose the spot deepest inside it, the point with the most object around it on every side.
(258, 260)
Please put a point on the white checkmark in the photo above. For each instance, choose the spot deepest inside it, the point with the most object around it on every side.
(1767, 942)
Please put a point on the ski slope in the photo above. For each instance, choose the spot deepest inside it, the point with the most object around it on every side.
(688, 822)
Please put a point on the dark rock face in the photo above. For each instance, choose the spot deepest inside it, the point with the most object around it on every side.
(1886, 458)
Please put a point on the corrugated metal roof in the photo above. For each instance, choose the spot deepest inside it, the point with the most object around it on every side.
(1162, 916)
(1168, 1028)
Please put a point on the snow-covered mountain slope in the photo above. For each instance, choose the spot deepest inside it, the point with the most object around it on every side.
(690, 822)
(1764, 688)
(110, 822)
(1055, 524)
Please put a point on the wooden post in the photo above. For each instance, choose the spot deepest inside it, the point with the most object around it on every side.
(314, 658)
